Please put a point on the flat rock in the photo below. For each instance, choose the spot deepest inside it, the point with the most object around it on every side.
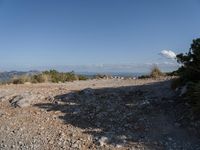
(21, 101)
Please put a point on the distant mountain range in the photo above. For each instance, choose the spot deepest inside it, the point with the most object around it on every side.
(6, 76)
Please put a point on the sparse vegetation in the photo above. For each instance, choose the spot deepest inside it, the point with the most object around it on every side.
(144, 77)
(102, 76)
(48, 76)
(155, 72)
(21, 79)
(82, 77)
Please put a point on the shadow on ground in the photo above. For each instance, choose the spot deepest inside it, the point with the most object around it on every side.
(122, 116)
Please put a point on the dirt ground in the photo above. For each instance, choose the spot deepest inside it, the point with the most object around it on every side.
(93, 114)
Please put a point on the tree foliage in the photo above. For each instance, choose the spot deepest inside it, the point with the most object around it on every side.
(190, 70)
(190, 73)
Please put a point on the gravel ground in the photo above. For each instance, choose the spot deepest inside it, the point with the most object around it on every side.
(93, 114)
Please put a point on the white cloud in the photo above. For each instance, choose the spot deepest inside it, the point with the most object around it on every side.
(168, 54)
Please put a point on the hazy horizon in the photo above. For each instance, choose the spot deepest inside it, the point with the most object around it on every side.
(103, 68)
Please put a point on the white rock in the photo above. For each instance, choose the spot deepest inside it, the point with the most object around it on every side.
(23, 100)
(103, 140)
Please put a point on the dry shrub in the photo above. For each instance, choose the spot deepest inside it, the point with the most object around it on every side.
(21, 79)
(48, 76)
(155, 72)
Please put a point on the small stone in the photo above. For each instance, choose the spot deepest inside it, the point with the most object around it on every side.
(103, 140)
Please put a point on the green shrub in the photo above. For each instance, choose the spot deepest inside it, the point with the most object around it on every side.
(144, 77)
(56, 76)
(189, 72)
(81, 77)
(70, 76)
(190, 69)
(40, 78)
(49, 76)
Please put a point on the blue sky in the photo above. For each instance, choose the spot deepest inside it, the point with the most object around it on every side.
(95, 35)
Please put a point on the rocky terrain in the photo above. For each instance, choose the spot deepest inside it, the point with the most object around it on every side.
(93, 114)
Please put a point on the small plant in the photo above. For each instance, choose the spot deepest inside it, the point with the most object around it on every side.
(155, 72)
(81, 77)
(144, 77)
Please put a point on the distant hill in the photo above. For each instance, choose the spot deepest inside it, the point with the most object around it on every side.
(6, 76)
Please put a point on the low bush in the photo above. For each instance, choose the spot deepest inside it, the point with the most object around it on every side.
(144, 77)
(40, 78)
(21, 79)
(48, 76)
(81, 77)
(155, 72)
(56, 76)
(18, 81)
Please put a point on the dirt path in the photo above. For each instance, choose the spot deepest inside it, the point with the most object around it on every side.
(94, 114)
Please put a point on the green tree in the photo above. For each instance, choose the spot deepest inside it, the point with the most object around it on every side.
(190, 70)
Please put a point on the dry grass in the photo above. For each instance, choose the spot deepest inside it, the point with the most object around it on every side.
(155, 72)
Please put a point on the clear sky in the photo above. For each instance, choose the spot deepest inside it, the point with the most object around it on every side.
(93, 35)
